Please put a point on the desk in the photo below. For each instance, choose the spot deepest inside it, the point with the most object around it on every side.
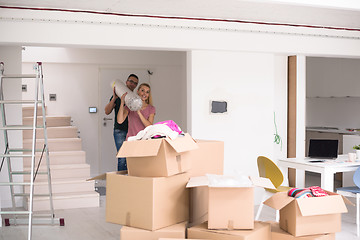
(327, 169)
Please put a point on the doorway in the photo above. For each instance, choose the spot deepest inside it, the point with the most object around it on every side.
(107, 153)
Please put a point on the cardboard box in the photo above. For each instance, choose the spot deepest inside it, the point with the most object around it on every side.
(144, 202)
(261, 231)
(227, 207)
(207, 159)
(158, 157)
(309, 216)
(174, 231)
(199, 205)
(278, 234)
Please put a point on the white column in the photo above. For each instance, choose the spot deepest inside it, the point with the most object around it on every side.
(301, 105)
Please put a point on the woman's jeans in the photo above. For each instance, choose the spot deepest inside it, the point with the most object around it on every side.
(119, 137)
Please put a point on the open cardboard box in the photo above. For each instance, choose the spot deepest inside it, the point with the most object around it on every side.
(198, 205)
(173, 231)
(227, 207)
(309, 216)
(158, 157)
(145, 202)
(261, 231)
(278, 234)
(207, 159)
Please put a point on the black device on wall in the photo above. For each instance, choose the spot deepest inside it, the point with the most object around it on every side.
(218, 107)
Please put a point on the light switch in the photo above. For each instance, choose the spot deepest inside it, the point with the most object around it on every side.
(92, 110)
(52, 97)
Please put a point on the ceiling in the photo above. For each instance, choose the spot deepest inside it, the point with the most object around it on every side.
(330, 13)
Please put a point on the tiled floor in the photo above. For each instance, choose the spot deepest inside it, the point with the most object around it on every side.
(89, 224)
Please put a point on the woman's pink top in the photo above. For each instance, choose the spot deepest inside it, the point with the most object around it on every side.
(135, 123)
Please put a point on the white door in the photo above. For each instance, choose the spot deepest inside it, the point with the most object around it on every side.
(107, 158)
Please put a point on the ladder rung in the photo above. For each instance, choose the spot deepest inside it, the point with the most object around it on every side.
(19, 101)
(15, 212)
(15, 155)
(18, 127)
(28, 194)
(14, 184)
(26, 172)
(35, 220)
(19, 76)
(23, 150)
(40, 215)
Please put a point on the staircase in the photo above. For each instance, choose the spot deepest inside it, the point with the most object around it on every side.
(69, 169)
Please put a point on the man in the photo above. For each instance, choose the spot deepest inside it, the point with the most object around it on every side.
(120, 130)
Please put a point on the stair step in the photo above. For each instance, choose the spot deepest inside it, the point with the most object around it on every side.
(56, 158)
(56, 144)
(67, 201)
(69, 170)
(28, 111)
(53, 132)
(63, 171)
(51, 121)
(66, 185)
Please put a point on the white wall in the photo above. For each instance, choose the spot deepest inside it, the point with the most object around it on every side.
(280, 104)
(333, 92)
(247, 128)
(247, 82)
(73, 74)
(332, 77)
(11, 56)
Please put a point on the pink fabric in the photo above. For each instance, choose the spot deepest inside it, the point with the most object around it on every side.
(317, 191)
(135, 124)
(172, 125)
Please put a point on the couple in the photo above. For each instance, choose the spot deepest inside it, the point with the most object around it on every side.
(128, 123)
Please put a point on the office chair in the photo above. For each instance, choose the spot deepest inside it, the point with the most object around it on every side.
(268, 169)
(353, 191)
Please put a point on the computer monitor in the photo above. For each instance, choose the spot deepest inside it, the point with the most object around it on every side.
(323, 148)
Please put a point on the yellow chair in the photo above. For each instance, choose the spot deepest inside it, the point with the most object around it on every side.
(268, 169)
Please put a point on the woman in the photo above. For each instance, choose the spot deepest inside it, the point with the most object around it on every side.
(142, 118)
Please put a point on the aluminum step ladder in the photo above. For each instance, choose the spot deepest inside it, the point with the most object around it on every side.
(20, 216)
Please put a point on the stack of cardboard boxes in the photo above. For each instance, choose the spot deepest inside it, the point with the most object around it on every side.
(152, 201)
